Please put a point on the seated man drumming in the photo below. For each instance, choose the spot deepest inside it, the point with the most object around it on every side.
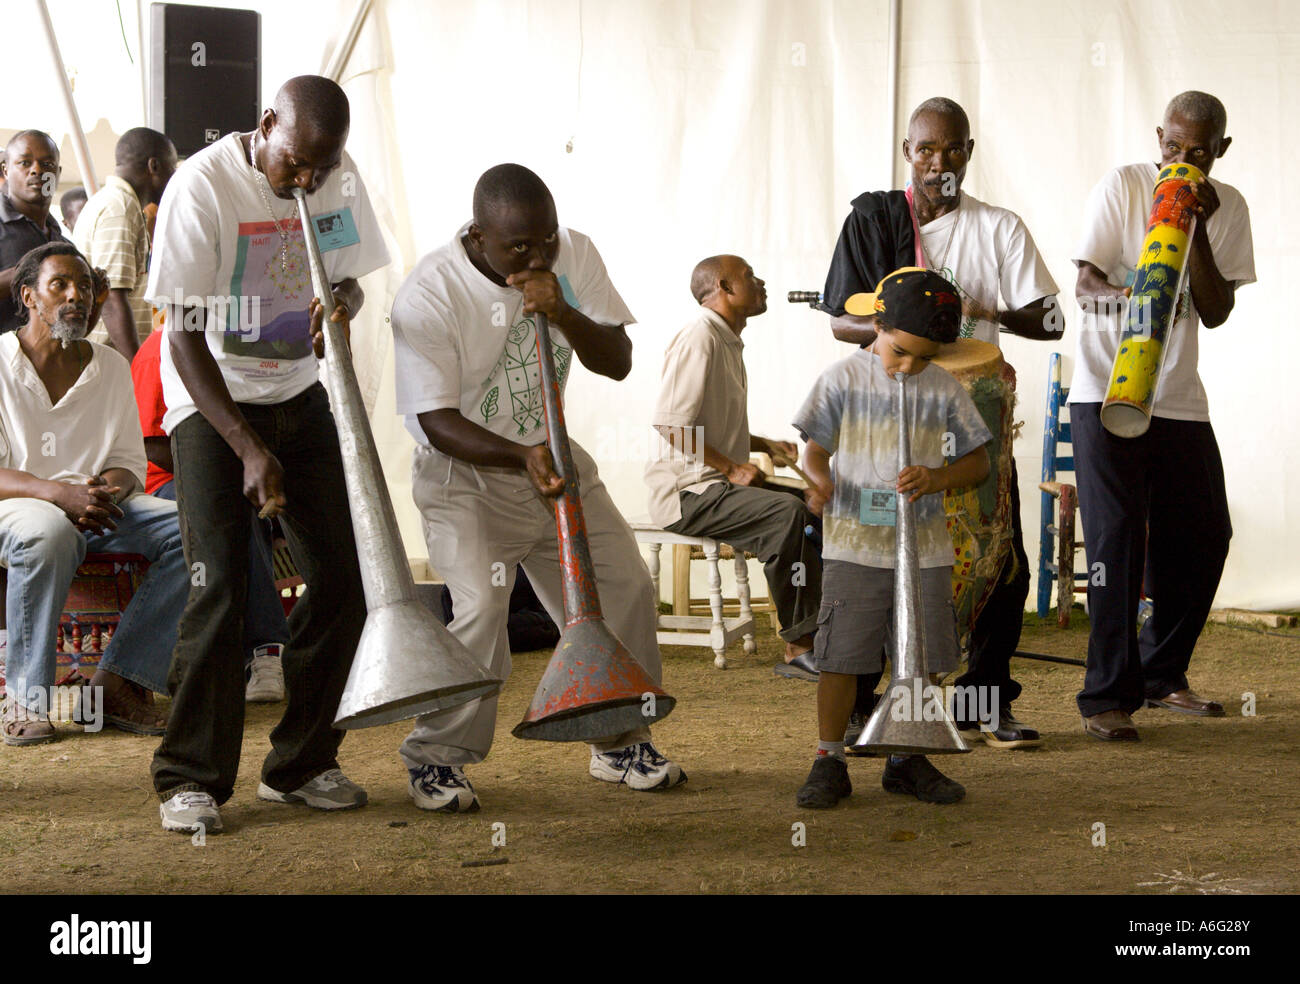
(701, 482)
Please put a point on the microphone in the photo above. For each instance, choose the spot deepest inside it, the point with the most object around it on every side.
(811, 297)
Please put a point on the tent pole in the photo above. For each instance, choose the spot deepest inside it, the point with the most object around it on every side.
(139, 44)
(339, 60)
(79, 148)
(891, 84)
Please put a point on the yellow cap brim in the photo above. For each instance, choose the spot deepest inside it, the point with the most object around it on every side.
(861, 305)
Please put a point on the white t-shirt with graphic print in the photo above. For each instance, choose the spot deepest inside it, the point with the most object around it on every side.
(985, 251)
(461, 342)
(215, 244)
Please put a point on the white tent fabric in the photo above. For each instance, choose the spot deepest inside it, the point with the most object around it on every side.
(669, 130)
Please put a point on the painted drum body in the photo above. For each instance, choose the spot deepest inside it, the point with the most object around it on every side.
(1153, 303)
(979, 517)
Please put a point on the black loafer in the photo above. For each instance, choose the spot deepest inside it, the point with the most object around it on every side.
(1009, 733)
(826, 785)
(799, 668)
(917, 777)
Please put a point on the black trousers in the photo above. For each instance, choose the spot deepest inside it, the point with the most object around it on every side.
(200, 750)
(1153, 504)
(996, 632)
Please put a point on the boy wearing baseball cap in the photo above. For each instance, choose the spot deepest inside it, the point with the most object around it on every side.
(851, 415)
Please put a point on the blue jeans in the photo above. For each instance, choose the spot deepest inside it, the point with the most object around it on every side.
(264, 620)
(42, 550)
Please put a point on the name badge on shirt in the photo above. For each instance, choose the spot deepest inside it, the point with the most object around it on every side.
(879, 507)
(334, 230)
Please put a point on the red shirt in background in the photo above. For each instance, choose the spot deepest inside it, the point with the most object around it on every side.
(146, 373)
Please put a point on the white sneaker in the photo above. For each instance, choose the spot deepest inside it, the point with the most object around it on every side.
(639, 766)
(191, 810)
(330, 790)
(443, 788)
(266, 677)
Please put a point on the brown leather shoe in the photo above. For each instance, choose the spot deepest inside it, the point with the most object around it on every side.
(1111, 726)
(1186, 702)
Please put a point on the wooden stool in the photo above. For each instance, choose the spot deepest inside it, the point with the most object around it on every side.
(100, 591)
(713, 630)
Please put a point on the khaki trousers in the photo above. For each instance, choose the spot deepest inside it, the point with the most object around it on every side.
(478, 524)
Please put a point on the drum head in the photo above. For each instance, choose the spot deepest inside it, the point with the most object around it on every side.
(969, 357)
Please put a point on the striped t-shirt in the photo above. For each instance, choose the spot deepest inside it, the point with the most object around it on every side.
(111, 233)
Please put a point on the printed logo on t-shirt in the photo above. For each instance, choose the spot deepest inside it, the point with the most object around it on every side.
(968, 323)
(273, 287)
(522, 374)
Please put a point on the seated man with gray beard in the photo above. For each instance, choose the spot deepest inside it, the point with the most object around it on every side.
(71, 461)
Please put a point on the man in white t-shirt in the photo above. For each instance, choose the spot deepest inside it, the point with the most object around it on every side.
(1155, 502)
(987, 253)
(72, 468)
(482, 475)
(251, 430)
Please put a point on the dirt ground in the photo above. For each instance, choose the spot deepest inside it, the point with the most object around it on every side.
(1198, 806)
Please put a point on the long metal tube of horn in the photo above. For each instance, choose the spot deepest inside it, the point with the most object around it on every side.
(593, 688)
(913, 718)
(407, 662)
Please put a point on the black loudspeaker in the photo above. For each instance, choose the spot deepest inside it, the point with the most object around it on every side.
(205, 78)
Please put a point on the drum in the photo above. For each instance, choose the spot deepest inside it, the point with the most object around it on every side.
(979, 517)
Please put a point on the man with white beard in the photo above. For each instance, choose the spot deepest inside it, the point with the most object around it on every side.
(71, 481)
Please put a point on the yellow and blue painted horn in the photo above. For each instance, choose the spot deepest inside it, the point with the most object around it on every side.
(1153, 303)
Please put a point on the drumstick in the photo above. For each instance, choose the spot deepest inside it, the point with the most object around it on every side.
(781, 461)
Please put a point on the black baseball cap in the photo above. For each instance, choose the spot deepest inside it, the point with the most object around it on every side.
(917, 301)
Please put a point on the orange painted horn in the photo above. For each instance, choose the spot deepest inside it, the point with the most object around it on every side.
(593, 688)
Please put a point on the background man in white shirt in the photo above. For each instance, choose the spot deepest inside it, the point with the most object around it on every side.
(71, 481)
(1156, 501)
(482, 475)
(987, 253)
(251, 428)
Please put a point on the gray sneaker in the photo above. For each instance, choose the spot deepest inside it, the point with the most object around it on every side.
(265, 679)
(330, 790)
(191, 810)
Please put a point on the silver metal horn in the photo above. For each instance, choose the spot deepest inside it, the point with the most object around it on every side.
(407, 663)
(912, 718)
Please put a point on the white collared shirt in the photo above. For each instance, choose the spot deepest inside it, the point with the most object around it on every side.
(704, 386)
(94, 426)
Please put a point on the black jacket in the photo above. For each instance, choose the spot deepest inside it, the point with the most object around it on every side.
(876, 240)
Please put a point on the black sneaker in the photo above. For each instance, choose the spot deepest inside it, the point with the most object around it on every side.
(915, 775)
(827, 784)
